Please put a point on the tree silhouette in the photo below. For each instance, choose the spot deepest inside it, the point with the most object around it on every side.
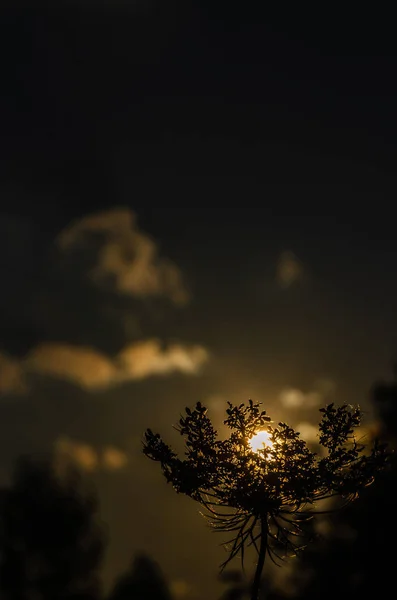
(263, 497)
(50, 543)
(145, 581)
(237, 586)
(364, 559)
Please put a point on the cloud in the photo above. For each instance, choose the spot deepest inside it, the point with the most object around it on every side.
(83, 366)
(101, 283)
(69, 451)
(217, 403)
(180, 589)
(296, 398)
(147, 358)
(85, 294)
(11, 380)
(120, 258)
(114, 458)
(86, 457)
(289, 270)
(308, 431)
(93, 370)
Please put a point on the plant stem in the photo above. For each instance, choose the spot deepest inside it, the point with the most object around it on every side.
(261, 560)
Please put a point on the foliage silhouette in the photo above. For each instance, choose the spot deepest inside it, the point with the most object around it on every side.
(264, 497)
(144, 581)
(51, 545)
(361, 548)
(237, 586)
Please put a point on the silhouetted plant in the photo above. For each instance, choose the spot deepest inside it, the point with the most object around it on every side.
(50, 543)
(359, 545)
(144, 581)
(263, 497)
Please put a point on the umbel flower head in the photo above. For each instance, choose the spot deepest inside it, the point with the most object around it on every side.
(263, 496)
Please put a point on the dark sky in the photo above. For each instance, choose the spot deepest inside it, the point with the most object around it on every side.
(257, 150)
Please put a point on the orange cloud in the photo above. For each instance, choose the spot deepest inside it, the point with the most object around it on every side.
(84, 366)
(93, 370)
(86, 457)
(322, 390)
(308, 431)
(143, 359)
(180, 589)
(69, 451)
(295, 398)
(289, 270)
(114, 458)
(123, 259)
(11, 380)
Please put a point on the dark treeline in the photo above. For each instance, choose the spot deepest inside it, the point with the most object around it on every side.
(357, 557)
(52, 542)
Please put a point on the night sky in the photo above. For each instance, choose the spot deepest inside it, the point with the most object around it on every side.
(197, 203)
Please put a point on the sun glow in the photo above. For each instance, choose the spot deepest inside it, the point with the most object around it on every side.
(260, 439)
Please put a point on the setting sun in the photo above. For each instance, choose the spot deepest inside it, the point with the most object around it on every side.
(262, 438)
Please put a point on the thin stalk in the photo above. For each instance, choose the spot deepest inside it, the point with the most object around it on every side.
(261, 559)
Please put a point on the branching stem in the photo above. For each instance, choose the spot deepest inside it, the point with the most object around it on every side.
(255, 590)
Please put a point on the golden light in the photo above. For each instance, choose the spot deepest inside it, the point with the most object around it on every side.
(260, 439)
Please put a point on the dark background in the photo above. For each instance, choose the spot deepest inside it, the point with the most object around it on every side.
(235, 132)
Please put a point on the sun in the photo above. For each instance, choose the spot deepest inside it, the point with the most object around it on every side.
(260, 439)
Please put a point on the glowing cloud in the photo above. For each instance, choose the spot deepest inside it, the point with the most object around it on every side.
(289, 270)
(121, 258)
(11, 380)
(114, 458)
(147, 358)
(86, 457)
(295, 398)
(180, 589)
(308, 431)
(84, 366)
(93, 371)
(69, 451)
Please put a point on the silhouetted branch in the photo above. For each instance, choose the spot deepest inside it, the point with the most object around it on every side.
(283, 480)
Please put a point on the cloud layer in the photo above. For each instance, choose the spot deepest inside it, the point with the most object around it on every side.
(88, 309)
(295, 398)
(289, 270)
(93, 370)
(99, 282)
(120, 258)
(86, 457)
